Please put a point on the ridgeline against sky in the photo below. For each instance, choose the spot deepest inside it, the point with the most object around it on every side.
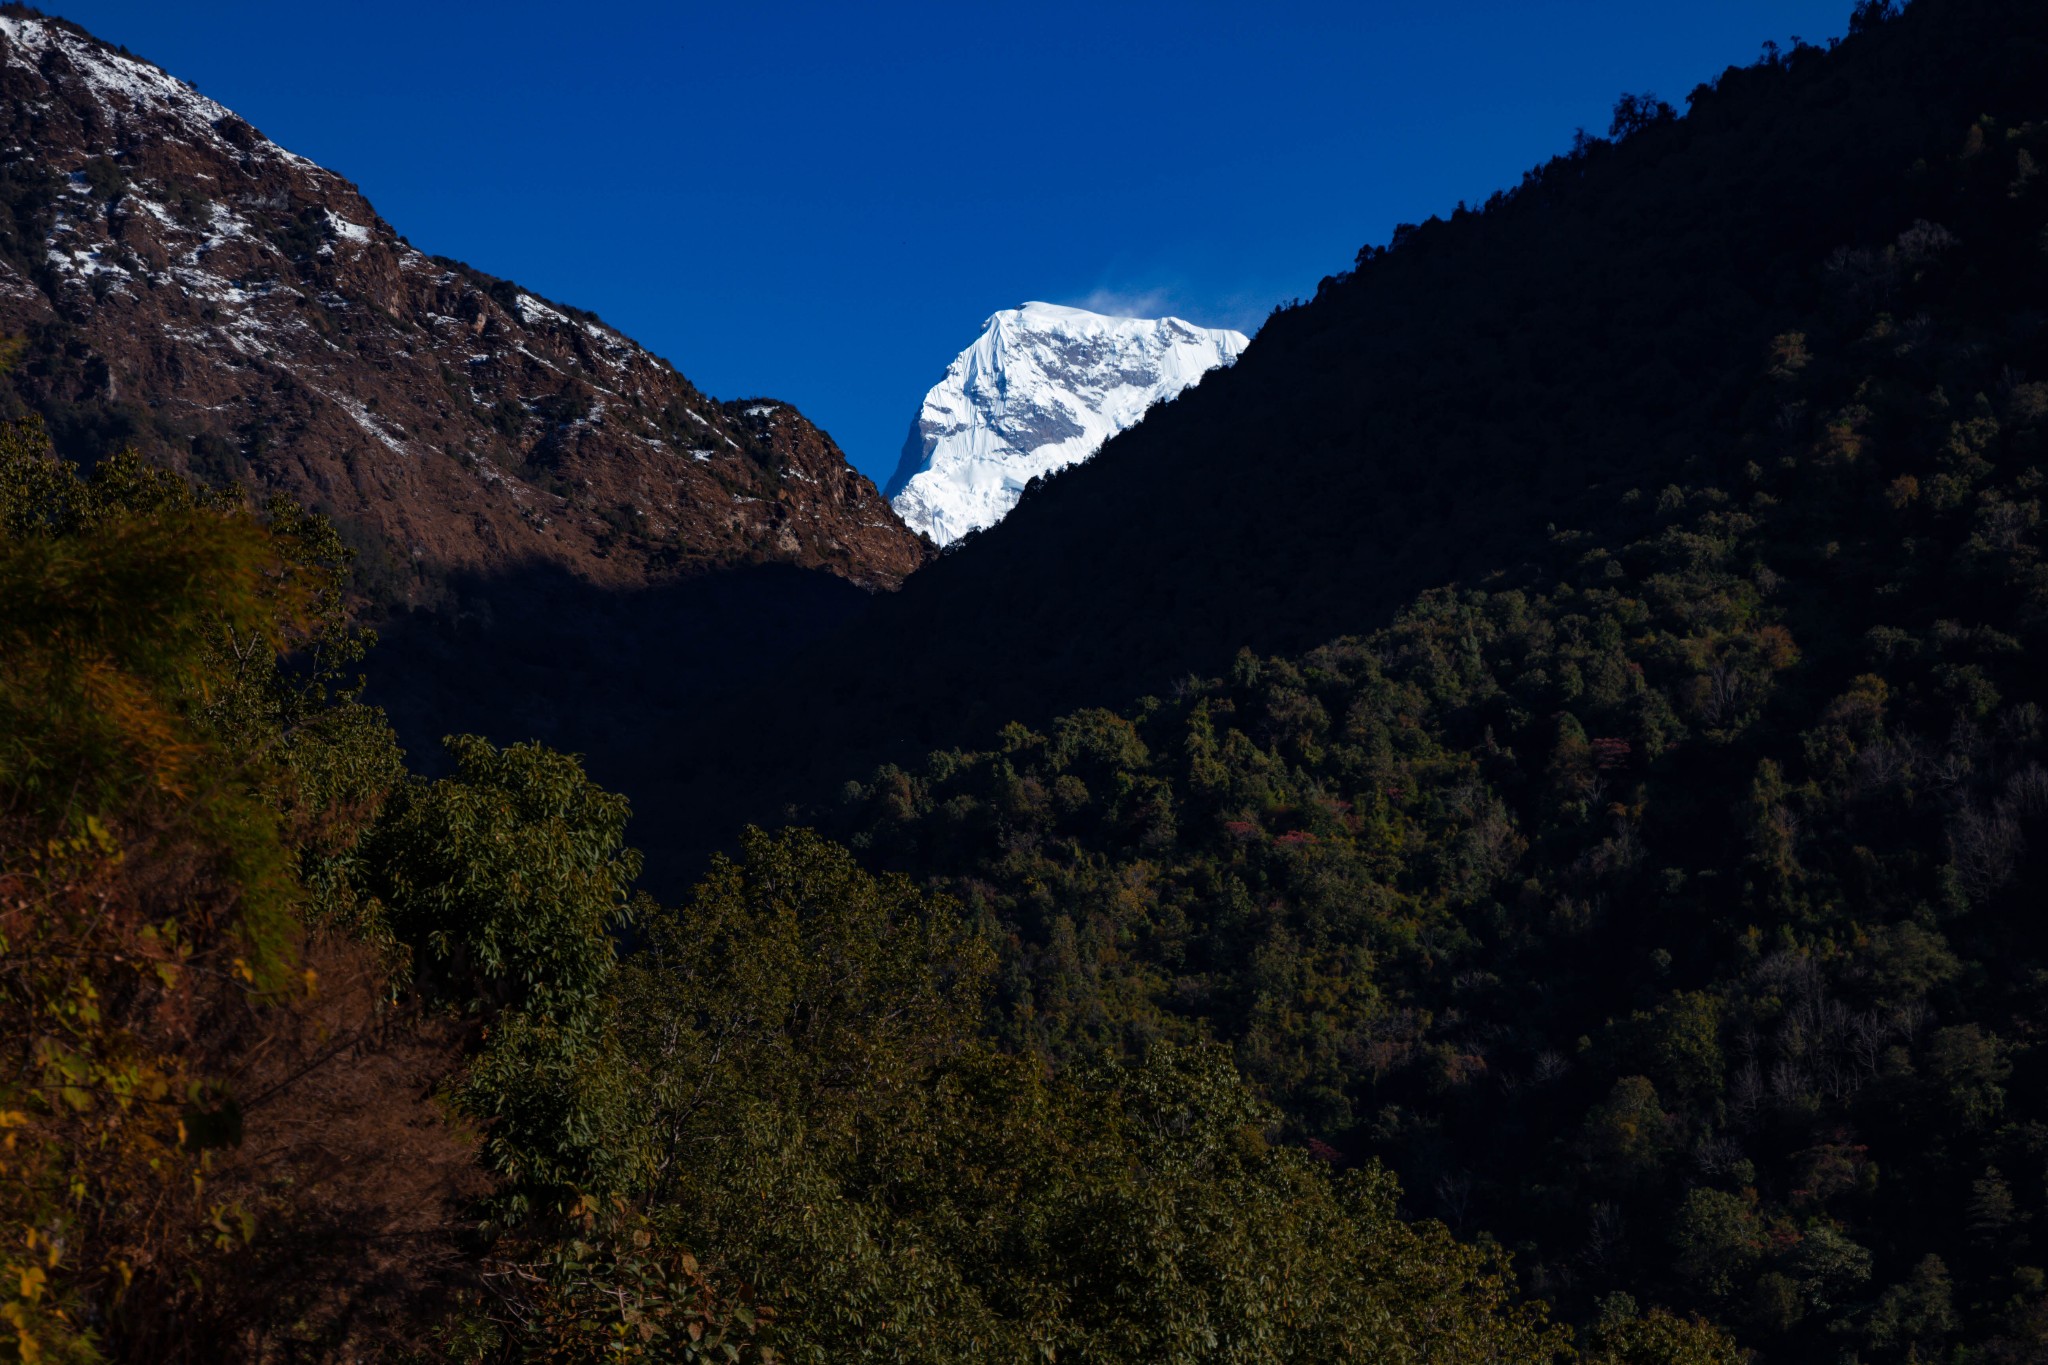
(819, 203)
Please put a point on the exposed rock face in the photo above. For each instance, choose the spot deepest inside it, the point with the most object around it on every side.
(1042, 388)
(189, 286)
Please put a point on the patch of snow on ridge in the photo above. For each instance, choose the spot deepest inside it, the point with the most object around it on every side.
(530, 308)
(1042, 388)
(370, 425)
(347, 231)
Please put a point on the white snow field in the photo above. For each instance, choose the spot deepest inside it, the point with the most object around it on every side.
(1042, 388)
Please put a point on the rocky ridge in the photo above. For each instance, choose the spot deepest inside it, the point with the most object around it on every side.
(184, 284)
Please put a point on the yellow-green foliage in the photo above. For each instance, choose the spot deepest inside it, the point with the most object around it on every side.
(148, 880)
(1624, 1337)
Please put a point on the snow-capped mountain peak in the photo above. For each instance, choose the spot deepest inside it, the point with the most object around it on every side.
(1042, 388)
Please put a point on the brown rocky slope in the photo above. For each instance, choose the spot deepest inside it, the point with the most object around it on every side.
(187, 286)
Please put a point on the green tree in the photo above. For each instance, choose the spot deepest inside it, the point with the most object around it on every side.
(1718, 1238)
(503, 887)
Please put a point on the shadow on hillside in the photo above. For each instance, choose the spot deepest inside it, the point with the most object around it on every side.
(622, 677)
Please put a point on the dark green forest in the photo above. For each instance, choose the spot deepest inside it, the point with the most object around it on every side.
(1565, 889)
(1668, 910)
(1659, 902)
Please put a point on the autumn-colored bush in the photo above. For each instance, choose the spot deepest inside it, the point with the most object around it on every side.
(195, 1080)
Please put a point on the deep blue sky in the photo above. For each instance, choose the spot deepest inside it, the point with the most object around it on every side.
(821, 202)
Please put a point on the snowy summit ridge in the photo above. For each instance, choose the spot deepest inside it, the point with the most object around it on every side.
(1042, 388)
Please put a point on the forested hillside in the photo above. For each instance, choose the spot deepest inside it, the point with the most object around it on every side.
(307, 1058)
(1665, 906)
